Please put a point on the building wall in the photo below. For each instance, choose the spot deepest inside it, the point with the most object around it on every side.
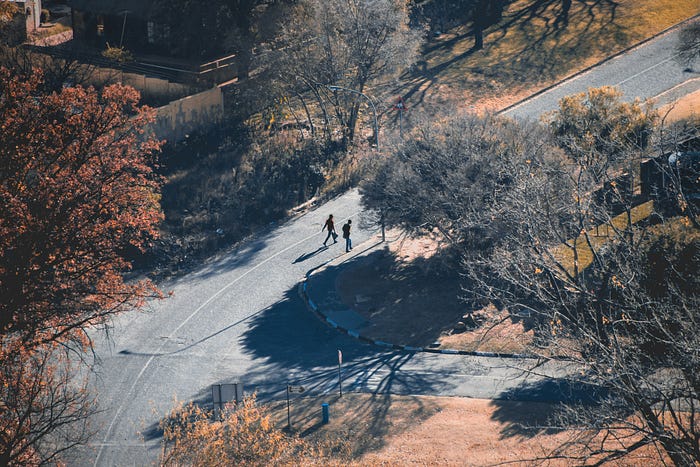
(182, 115)
(33, 10)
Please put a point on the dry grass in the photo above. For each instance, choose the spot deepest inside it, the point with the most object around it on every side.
(685, 108)
(529, 48)
(498, 332)
(51, 29)
(597, 237)
(391, 430)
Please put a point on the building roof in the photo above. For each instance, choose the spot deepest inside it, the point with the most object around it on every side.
(140, 8)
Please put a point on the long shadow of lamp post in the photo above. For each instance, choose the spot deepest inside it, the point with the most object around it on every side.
(374, 109)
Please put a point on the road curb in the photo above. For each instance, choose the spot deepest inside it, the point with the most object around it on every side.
(597, 64)
(302, 289)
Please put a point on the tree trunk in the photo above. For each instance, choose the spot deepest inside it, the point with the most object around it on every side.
(245, 52)
(478, 37)
(352, 121)
(564, 15)
(308, 114)
(480, 16)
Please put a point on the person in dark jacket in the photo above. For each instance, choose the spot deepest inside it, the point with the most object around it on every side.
(346, 236)
(331, 230)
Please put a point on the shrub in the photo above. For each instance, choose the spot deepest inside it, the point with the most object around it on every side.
(117, 54)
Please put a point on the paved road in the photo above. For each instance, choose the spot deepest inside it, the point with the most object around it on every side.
(240, 319)
(647, 71)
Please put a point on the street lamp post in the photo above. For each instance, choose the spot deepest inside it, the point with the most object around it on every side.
(374, 109)
(121, 38)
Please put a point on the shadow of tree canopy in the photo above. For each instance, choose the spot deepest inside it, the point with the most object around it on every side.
(410, 303)
(295, 347)
(418, 301)
(367, 368)
(529, 43)
(546, 397)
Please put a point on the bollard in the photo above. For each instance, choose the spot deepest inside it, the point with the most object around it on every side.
(324, 412)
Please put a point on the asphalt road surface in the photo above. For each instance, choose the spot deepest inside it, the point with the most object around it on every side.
(240, 319)
(647, 71)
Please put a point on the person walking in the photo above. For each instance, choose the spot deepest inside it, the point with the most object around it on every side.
(346, 236)
(331, 230)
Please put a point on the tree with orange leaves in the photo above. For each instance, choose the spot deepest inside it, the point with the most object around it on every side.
(77, 190)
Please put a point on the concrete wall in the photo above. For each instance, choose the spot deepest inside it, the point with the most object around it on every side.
(151, 89)
(183, 116)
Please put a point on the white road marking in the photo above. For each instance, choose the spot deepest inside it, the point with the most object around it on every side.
(576, 77)
(646, 69)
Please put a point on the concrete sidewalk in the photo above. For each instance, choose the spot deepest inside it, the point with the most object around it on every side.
(320, 291)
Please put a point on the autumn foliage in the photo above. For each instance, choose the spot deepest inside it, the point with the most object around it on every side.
(77, 190)
(244, 435)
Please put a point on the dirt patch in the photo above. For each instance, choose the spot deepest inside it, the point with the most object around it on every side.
(411, 296)
(687, 107)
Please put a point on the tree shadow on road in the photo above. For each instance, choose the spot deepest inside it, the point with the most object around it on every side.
(295, 347)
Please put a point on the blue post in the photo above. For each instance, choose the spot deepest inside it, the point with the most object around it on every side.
(324, 411)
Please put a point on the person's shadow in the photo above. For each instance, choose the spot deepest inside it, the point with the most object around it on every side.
(306, 256)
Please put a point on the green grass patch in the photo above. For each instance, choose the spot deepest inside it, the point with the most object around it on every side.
(532, 47)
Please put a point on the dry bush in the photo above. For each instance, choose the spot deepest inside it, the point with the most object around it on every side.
(244, 434)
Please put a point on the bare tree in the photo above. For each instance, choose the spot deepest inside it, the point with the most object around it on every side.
(446, 171)
(353, 44)
(621, 300)
(45, 404)
(608, 283)
(612, 284)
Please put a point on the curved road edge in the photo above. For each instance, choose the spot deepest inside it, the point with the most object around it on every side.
(304, 287)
